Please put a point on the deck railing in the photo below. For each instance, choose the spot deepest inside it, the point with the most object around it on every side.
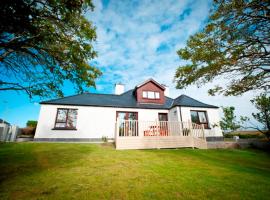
(135, 128)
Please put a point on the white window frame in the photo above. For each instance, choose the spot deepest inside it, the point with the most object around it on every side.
(151, 95)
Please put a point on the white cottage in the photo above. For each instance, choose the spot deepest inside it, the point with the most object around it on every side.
(144, 117)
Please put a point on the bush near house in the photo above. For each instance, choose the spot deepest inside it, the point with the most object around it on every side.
(31, 123)
(27, 131)
(245, 134)
(30, 128)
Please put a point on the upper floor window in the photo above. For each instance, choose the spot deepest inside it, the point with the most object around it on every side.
(66, 118)
(199, 117)
(151, 95)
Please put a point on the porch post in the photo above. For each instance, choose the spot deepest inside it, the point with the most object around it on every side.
(203, 131)
(191, 133)
(116, 131)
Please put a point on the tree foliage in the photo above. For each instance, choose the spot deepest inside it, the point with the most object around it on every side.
(31, 123)
(44, 43)
(234, 45)
(262, 103)
(229, 122)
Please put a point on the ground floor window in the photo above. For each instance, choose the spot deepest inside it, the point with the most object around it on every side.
(162, 116)
(199, 117)
(66, 118)
(126, 115)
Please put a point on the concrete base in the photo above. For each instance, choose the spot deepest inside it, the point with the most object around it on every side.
(214, 138)
(241, 143)
(93, 140)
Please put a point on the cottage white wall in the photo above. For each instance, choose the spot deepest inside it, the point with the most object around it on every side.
(174, 114)
(92, 122)
(212, 115)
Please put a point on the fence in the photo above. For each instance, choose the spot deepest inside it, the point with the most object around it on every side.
(134, 134)
(8, 133)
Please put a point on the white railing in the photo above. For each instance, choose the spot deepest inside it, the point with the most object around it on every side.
(129, 128)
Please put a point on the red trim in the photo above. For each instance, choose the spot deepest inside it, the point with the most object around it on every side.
(153, 81)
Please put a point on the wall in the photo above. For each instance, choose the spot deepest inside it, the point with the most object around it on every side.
(174, 114)
(159, 142)
(92, 122)
(212, 115)
(150, 86)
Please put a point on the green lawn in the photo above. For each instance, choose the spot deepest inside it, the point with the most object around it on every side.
(88, 171)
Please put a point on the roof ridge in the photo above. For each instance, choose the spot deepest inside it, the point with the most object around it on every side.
(85, 93)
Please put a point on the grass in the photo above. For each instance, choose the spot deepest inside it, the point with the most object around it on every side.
(89, 171)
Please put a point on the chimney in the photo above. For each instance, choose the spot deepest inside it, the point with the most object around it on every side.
(167, 90)
(119, 88)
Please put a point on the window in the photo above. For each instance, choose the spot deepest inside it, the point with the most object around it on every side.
(199, 117)
(144, 94)
(151, 95)
(66, 118)
(162, 116)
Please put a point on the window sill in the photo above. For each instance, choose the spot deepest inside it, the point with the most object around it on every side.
(65, 129)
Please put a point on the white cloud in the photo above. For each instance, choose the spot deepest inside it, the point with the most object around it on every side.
(129, 34)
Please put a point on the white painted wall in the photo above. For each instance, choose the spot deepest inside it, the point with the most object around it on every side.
(95, 122)
(92, 122)
(174, 114)
(212, 115)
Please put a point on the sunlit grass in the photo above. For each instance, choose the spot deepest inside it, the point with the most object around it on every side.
(88, 171)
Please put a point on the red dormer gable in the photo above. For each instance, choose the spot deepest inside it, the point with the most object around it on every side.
(150, 91)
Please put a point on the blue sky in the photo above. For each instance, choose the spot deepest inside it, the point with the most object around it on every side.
(136, 40)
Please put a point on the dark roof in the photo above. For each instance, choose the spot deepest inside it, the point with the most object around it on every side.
(125, 100)
(187, 101)
(4, 122)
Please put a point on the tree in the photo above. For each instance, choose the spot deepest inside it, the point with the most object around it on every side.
(45, 43)
(31, 123)
(229, 122)
(262, 103)
(234, 45)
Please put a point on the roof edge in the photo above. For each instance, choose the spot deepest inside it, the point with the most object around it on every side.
(150, 80)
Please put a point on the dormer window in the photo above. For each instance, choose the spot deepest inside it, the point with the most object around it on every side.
(151, 95)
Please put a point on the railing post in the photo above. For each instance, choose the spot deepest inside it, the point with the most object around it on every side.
(156, 133)
(116, 132)
(203, 131)
(191, 133)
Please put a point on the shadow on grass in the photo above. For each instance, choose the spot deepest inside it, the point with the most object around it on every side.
(24, 159)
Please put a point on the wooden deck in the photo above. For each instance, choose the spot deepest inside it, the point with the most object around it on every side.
(133, 134)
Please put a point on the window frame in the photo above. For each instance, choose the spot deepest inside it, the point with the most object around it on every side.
(206, 124)
(165, 114)
(147, 96)
(66, 120)
(126, 114)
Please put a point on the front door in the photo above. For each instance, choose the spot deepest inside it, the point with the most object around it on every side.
(128, 124)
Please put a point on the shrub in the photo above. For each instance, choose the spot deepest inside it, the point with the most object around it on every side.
(244, 135)
(28, 131)
(31, 123)
(104, 138)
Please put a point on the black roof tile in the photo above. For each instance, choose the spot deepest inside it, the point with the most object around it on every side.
(125, 100)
